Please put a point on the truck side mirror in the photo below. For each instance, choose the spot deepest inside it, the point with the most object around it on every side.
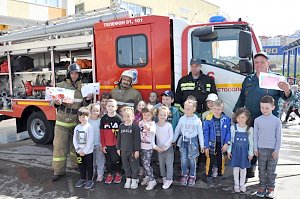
(245, 44)
(205, 33)
(245, 66)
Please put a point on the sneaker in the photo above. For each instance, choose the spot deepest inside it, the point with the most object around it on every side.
(109, 179)
(134, 184)
(261, 192)
(167, 184)
(236, 189)
(270, 193)
(192, 181)
(215, 172)
(145, 180)
(127, 183)
(184, 180)
(118, 178)
(243, 188)
(99, 178)
(80, 183)
(89, 184)
(164, 179)
(151, 185)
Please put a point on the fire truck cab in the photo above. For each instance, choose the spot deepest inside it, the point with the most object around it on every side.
(156, 48)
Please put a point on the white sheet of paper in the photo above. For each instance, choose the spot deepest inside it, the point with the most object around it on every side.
(93, 88)
(270, 81)
(69, 96)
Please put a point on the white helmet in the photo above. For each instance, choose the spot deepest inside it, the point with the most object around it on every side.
(127, 73)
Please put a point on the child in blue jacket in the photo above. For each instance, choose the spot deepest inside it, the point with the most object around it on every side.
(216, 132)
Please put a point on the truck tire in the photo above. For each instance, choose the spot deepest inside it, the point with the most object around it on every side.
(40, 130)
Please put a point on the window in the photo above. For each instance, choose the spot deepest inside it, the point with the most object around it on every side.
(136, 9)
(132, 51)
(222, 52)
(79, 8)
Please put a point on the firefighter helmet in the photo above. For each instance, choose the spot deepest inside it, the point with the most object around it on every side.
(127, 73)
(74, 68)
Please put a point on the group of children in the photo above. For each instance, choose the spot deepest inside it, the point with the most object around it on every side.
(130, 138)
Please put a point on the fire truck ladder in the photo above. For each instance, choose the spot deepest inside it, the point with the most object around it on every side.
(72, 23)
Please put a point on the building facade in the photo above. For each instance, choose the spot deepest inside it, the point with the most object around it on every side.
(19, 13)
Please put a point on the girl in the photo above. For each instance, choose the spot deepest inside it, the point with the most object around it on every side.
(128, 147)
(147, 130)
(190, 128)
(163, 145)
(99, 157)
(103, 101)
(138, 115)
(240, 151)
(153, 98)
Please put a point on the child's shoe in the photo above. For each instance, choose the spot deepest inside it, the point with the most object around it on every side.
(261, 192)
(243, 188)
(192, 181)
(134, 184)
(109, 179)
(127, 183)
(118, 178)
(236, 189)
(270, 193)
(215, 172)
(184, 180)
(151, 185)
(145, 180)
(99, 178)
(167, 184)
(89, 184)
(80, 183)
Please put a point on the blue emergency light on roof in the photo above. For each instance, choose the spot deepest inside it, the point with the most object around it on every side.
(217, 18)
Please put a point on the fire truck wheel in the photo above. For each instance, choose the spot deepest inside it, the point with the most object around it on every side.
(40, 130)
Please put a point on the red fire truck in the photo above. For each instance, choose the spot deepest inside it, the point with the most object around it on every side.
(156, 48)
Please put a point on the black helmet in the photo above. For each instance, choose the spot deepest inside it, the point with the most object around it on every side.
(74, 68)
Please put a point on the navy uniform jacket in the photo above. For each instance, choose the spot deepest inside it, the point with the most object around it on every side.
(251, 95)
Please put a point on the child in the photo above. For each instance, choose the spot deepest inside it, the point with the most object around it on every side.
(167, 99)
(147, 130)
(267, 142)
(138, 115)
(109, 126)
(129, 144)
(209, 103)
(99, 157)
(103, 101)
(190, 128)
(240, 151)
(294, 104)
(153, 98)
(163, 145)
(83, 140)
(216, 139)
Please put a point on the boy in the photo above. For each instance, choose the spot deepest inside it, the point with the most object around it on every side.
(267, 142)
(167, 98)
(83, 140)
(128, 147)
(216, 132)
(109, 126)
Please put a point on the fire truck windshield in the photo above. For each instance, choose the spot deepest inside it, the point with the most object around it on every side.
(222, 52)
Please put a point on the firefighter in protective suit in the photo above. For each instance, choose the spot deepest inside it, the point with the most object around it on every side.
(66, 120)
(124, 93)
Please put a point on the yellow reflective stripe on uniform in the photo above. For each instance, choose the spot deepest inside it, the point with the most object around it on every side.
(187, 84)
(59, 159)
(65, 124)
(72, 154)
(188, 88)
(208, 85)
(178, 106)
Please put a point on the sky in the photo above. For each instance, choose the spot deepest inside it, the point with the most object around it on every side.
(268, 17)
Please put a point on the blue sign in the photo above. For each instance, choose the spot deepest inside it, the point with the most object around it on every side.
(273, 50)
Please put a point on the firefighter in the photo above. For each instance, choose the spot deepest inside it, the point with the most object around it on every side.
(66, 120)
(124, 93)
(195, 84)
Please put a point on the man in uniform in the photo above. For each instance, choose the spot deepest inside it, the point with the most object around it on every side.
(66, 120)
(195, 84)
(124, 93)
